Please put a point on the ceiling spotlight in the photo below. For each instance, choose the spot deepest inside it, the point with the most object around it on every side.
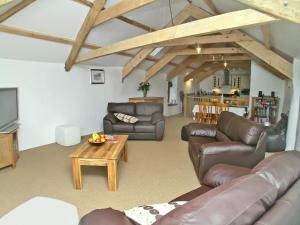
(191, 79)
(198, 49)
(285, 3)
(225, 64)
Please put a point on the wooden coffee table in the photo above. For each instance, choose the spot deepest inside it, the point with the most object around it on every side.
(106, 154)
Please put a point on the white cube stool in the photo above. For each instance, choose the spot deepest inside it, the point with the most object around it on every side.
(67, 135)
(42, 210)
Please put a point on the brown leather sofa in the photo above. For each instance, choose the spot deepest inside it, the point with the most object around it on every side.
(234, 140)
(151, 124)
(269, 194)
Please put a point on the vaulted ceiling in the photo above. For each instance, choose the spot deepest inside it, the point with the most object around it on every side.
(64, 31)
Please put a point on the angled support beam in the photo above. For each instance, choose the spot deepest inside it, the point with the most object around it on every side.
(208, 39)
(210, 25)
(85, 2)
(121, 18)
(119, 9)
(159, 65)
(196, 71)
(154, 69)
(83, 32)
(181, 67)
(271, 58)
(142, 54)
(4, 2)
(210, 51)
(288, 10)
(212, 6)
(15, 9)
(265, 29)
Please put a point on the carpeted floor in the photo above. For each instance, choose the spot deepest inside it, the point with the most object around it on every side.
(155, 172)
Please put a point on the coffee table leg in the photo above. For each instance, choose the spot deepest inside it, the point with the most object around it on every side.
(76, 173)
(125, 153)
(112, 175)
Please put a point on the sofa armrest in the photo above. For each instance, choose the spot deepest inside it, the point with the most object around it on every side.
(226, 147)
(222, 173)
(202, 129)
(106, 216)
(111, 118)
(157, 117)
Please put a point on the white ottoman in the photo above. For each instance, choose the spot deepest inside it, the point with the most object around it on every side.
(42, 211)
(67, 135)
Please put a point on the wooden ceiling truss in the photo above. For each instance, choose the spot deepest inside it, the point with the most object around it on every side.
(181, 36)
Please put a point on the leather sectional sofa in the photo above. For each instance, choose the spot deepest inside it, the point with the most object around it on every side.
(234, 140)
(151, 124)
(269, 194)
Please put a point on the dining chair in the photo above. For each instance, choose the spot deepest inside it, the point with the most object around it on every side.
(205, 113)
(219, 107)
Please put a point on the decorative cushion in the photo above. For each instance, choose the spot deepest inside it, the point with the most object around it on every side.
(126, 118)
(148, 214)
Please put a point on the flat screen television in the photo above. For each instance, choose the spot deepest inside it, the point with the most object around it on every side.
(9, 113)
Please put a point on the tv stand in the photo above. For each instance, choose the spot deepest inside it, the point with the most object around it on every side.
(9, 153)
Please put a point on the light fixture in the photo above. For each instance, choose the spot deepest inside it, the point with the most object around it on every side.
(285, 3)
(191, 79)
(198, 49)
(225, 64)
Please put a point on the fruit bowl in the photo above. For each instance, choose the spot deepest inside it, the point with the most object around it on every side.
(97, 139)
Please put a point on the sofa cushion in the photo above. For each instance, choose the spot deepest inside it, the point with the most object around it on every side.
(123, 127)
(193, 194)
(221, 136)
(144, 127)
(126, 108)
(281, 169)
(249, 132)
(224, 121)
(126, 118)
(143, 108)
(222, 173)
(233, 131)
(241, 201)
(144, 118)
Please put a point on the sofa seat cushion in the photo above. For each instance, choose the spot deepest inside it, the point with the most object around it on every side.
(144, 127)
(123, 127)
(241, 201)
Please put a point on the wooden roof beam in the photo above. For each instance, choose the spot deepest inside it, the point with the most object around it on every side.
(206, 39)
(182, 66)
(265, 29)
(4, 2)
(142, 54)
(287, 10)
(212, 6)
(119, 9)
(83, 32)
(209, 51)
(210, 25)
(12, 11)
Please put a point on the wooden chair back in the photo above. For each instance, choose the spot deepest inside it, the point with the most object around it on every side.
(205, 114)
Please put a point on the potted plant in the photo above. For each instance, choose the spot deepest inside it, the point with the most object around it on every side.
(145, 87)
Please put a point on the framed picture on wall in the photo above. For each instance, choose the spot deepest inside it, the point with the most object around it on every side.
(97, 76)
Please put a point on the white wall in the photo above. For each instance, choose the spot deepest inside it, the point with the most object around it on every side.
(263, 80)
(294, 109)
(48, 96)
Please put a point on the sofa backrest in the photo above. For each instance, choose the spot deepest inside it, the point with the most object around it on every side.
(285, 210)
(240, 201)
(281, 170)
(147, 109)
(238, 128)
(123, 107)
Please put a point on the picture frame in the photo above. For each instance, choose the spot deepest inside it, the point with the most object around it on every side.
(97, 76)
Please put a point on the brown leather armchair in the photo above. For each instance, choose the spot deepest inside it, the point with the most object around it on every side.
(234, 140)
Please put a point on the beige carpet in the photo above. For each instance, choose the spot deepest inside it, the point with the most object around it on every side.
(155, 172)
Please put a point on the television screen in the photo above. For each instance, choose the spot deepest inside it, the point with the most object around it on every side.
(8, 107)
